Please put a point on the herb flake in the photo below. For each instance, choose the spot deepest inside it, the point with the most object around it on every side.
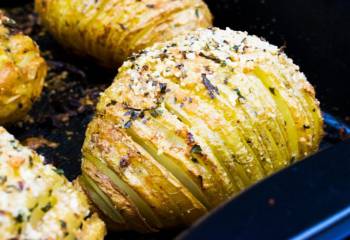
(239, 94)
(197, 12)
(47, 207)
(272, 90)
(59, 171)
(212, 90)
(156, 112)
(127, 124)
(196, 149)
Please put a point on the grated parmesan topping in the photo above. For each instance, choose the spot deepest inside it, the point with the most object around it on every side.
(36, 202)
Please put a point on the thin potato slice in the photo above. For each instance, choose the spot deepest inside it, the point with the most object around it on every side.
(111, 30)
(213, 111)
(22, 73)
(136, 168)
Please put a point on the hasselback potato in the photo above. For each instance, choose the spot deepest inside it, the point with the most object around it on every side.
(22, 73)
(192, 122)
(37, 202)
(111, 30)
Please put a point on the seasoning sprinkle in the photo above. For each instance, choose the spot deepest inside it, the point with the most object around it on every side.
(59, 171)
(272, 90)
(47, 207)
(127, 124)
(210, 87)
(19, 218)
(211, 57)
(196, 149)
(163, 87)
(123, 163)
(156, 112)
(239, 94)
(197, 12)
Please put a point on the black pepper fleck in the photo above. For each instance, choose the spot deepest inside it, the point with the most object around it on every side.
(272, 90)
(123, 163)
(47, 207)
(239, 94)
(163, 87)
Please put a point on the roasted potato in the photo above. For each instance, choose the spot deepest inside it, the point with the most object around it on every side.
(111, 30)
(191, 122)
(22, 73)
(37, 202)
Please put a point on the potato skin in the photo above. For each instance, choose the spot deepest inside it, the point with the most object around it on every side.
(111, 30)
(37, 202)
(209, 114)
(22, 74)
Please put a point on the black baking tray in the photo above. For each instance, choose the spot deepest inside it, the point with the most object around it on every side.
(315, 34)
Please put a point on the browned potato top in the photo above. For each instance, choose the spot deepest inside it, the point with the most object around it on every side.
(110, 30)
(22, 73)
(37, 202)
(191, 122)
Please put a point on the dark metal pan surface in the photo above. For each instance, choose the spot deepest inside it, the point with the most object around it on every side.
(310, 200)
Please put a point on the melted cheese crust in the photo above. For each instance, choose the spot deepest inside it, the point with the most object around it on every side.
(37, 202)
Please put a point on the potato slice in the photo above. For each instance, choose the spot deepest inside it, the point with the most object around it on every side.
(211, 112)
(111, 30)
(22, 73)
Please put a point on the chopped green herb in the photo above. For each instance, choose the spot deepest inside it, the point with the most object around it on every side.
(156, 112)
(239, 94)
(127, 124)
(196, 149)
(3, 179)
(31, 161)
(272, 90)
(293, 159)
(210, 87)
(133, 114)
(63, 224)
(19, 218)
(236, 48)
(59, 171)
(124, 162)
(197, 12)
(112, 103)
(163, 87)
(47, 207)
(34, 207)
(211, 57)
(122, 26)
(64, 228)
(88, 216)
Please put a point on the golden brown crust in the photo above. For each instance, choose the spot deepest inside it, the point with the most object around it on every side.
(111, 30)
(137, 169)
(22, 74)
(217, 110)
(127, 208)
(37, 202)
